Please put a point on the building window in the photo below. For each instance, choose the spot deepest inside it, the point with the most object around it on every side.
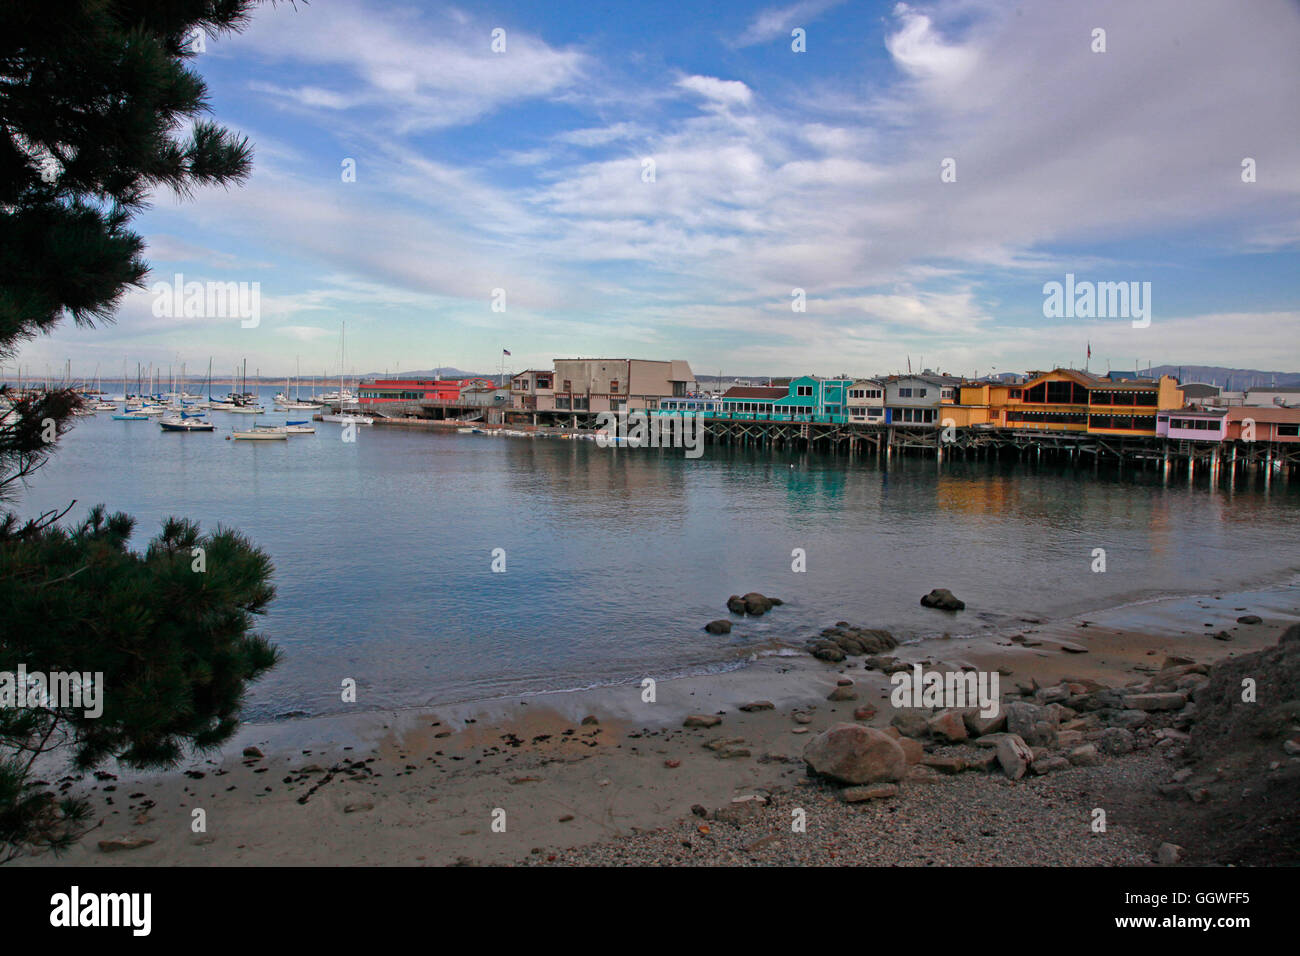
(1288, 431)
(904, 393)
(920, 392)
(568, 385)
(562, 401)
(543, 381)
(804, 391)
(613, 385)
(1016, 393)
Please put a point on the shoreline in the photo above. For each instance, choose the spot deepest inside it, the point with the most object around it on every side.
(419, 786)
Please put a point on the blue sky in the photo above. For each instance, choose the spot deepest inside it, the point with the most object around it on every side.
(774, 170)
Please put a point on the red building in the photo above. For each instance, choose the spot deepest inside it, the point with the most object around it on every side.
(410, 390)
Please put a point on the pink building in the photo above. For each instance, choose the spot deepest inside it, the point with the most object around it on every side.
(1192, 424)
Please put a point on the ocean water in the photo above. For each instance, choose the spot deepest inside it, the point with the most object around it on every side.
(616, 558)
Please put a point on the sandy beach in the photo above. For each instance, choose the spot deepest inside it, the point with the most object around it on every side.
(604, 776)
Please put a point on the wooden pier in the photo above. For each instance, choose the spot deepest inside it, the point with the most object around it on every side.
(974, 443)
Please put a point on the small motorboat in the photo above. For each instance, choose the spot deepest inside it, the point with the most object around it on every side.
(130, 416)
(262, 434)
(348, 419)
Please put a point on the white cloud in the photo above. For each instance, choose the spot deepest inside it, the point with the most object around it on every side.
(720, 92)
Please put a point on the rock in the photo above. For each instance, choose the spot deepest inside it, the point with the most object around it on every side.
(589, 720)
(1128, 719)
(1033, 724)
(756, 705)
(756, 604)
(672, 763)
(1169, 854)
(736, 604)
(702, 720)
(833, 654)
(1158, 701)
(1014, 756)
(719, 744)
(942, 599)
(1291, 746)
(878, 791)
(985, 760)
(1071, 648)
(842, 693)
(802, 718)
(890, 665)
(911, 723)
(253, 752)
(1052, 695)
(123, 843)
(912, 750)
(718, 627)
(361, 806)
(1049, 765)
(866, 712)
(1221, 636)
(947, 765)
(875, 641)
(948, 725)
(855, 754)
(978, 726)
(1250, 619)
(1115, 741)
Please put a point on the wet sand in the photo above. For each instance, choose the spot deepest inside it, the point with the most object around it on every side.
(437, 786)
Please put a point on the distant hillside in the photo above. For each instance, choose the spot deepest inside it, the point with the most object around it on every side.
(1234, 379)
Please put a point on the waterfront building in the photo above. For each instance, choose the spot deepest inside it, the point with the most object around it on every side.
(915, 399)
(533, 390)
(1268, 424)
(409, 390)
(802, 399)
(1072, 400)
(866, 401)
(604, 385)
(1273, 395)
(1193, 424)
(1198, 393)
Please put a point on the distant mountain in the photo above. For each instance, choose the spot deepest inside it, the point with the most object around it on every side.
(427, 373)
(1234, 379)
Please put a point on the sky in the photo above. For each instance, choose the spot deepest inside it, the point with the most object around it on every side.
(637, 180)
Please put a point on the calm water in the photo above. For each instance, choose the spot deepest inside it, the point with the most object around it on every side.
(617, 558)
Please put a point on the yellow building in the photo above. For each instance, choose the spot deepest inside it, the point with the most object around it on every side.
(1070, 400)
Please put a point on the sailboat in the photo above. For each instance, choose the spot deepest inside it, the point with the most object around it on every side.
(186, 423)
(246, 409)
(342, 417)
(284, 401)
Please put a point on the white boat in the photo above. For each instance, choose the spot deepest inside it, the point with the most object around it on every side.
(346, 418)
(262, 434)
(245, 410)
(300, 428)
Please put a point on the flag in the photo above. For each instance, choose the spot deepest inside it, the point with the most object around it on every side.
(505, 351)
(1089, 350)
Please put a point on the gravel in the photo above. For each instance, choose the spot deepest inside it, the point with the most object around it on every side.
(971, 819)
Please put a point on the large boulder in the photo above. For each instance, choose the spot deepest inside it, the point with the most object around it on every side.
(718, 627)
(1014, 756)
(942, 599)
(851, 753)
(1035, 725)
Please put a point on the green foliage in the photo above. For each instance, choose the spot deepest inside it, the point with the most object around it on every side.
(99, 106)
